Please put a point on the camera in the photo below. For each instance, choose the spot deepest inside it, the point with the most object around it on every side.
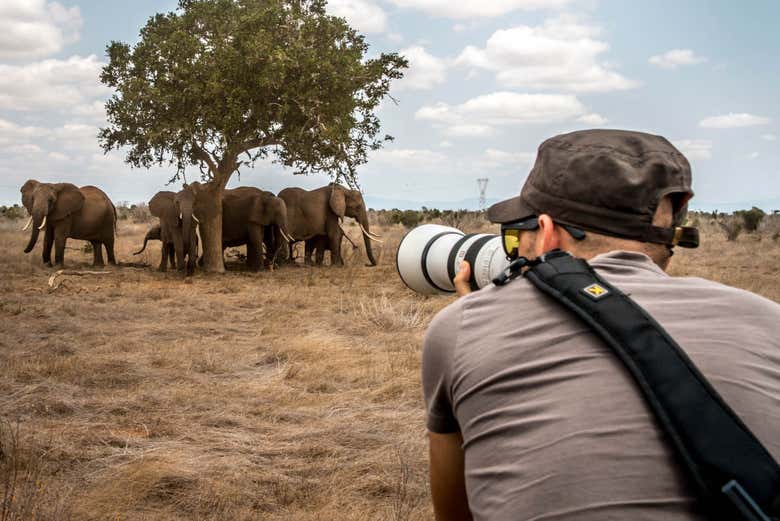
(429, 256)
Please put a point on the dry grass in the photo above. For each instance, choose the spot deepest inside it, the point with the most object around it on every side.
(286, 395)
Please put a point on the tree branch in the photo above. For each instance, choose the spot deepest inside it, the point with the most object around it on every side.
(204, 156)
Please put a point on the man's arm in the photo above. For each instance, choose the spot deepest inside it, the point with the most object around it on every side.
(448, 484)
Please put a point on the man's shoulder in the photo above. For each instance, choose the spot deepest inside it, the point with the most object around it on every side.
(723, 293)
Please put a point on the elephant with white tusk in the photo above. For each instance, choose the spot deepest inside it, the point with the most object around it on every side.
(315, 213)
(255, 218)
(178, 228)
(63, 211)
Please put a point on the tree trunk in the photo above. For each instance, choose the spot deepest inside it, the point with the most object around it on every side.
(209, 213)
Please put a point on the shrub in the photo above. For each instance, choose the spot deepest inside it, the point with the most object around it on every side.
(752, 218)
(731, 227)
(13, 212)
(410, 218)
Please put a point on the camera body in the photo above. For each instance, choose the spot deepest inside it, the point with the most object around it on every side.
(429, 257)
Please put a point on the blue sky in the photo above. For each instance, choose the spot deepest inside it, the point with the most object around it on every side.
(489, 80)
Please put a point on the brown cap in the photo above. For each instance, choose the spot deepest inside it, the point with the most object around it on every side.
(606, 181)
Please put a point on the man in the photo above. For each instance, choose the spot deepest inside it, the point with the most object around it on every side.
(530, 415)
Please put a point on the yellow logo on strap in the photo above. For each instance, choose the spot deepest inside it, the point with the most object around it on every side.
(596, 291)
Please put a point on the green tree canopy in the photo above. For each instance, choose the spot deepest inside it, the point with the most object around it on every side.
(223, 83)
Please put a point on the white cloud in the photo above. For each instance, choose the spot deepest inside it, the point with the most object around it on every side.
(466, 9)
(51, 84)
(95, 110)
(77, 137)
(676, 58)
(363, 15)
(494, 158)
(732, 120)
(477, 116)
(35, 28)
(593, 119)
(12, 134)
(409, 158)
(560, 54)
(768, 137)
(695, 149)
(425, 70)
(445, 144)
(752, 155)
(466, 130)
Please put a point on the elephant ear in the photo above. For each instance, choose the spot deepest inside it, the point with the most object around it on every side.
(161, 203)
(338, 202)
(69, 200)
(27, 194)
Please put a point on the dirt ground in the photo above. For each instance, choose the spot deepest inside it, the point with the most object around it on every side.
(292, 394)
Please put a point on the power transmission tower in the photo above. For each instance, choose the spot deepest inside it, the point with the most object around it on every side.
(482, 182)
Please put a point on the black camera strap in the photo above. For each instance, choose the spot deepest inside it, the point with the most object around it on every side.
(736, 476)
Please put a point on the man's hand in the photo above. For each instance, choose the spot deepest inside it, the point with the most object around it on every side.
(461, 280)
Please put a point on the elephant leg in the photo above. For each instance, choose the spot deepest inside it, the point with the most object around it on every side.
(109, 244)
(254, 248)
(60, 237)
(164, 250)
(48, 242)
(334, 241)
(308, 250)
(170, 258)
(319, 249)
(97, 253)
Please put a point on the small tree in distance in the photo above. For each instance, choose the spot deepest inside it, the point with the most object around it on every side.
(219, 84)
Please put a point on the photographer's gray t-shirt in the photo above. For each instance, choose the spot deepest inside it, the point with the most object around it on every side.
(554, 427)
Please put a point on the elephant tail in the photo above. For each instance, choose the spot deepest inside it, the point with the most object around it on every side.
(116, 220)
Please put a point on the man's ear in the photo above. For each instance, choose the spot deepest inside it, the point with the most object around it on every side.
(548, 237)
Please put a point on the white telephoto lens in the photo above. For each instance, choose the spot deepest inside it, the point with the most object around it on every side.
(489, 261)
(430, 255)
(422, 259)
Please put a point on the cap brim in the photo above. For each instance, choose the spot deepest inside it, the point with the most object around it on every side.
(513, 209)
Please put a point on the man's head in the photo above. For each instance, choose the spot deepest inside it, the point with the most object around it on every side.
(624, 190)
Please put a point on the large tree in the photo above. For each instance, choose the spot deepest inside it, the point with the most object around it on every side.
(223, 83)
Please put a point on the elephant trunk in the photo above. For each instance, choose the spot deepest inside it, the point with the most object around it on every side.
(363, 220)
(146, 239)
(38, 220)
(187, 226)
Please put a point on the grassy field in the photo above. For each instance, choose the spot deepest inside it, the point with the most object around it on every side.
(291, 394)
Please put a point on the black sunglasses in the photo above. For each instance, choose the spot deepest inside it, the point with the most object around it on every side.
(510, 233)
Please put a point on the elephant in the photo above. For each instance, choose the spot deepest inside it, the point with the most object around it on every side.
(315, 248)
(67, 211)
(155, 234)
(312, 213)
(256, 218)
(178, 227)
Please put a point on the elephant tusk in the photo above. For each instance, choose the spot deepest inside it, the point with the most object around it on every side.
(26, 226)
(181, 216)
(347, 236)
(195, 219)
(43, 224)
(287, 237)
(370, 235)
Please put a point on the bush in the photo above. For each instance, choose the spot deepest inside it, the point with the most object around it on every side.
(13, 212)
(752, 218)
(731, 227)
(410, 218)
